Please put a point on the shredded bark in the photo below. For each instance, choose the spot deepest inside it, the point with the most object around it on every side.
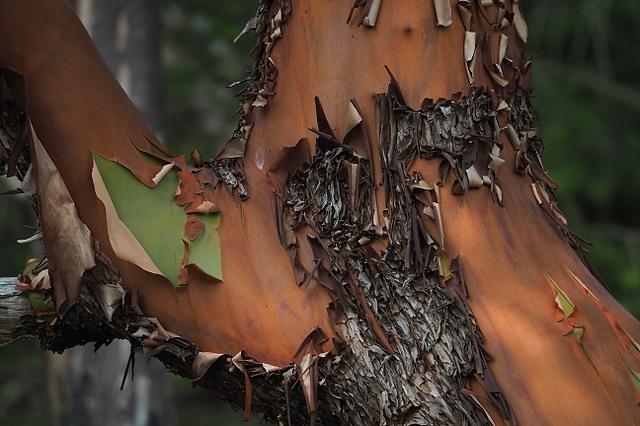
(463, 131)
(231, 173)
(268, 26)
(259, 88)
(14, 150)
(398, 315)
(369, 11)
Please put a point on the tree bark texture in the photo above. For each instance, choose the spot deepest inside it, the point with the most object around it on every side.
(402, 262)
(17, 319)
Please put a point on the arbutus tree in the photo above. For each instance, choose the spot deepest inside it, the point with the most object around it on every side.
(377, 243)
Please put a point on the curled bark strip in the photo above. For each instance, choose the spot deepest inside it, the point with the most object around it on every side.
(67, 238)
(306, 364)
(268, 23)
(371, 17)
(357, 4)
(519, 22)
(248, 387)
(443, 12)
(228, 164)
(369, 12)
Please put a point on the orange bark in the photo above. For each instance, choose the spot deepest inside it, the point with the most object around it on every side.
(547, 378)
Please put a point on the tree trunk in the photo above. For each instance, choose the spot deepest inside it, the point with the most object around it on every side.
(85, 385)
(408, 266)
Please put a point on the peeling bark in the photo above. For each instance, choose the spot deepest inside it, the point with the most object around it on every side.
(378, 229)
(402, 318)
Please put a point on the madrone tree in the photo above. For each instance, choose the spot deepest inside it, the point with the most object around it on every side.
(378, 242)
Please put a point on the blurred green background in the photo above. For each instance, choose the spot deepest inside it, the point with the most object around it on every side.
(587, 91)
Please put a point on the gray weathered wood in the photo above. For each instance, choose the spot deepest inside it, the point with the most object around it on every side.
(17, 318)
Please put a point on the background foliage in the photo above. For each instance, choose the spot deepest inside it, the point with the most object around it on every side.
(587, 61)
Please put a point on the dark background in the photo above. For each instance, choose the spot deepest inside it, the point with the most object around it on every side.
(587, 91)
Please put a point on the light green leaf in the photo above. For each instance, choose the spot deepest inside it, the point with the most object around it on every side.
(39, 303)
(445, 271)
(562, 300)
(44, 307)
(578, 332)
(157, 222)
(634, 376)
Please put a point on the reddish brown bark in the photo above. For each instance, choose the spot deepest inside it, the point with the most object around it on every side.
(545, 375)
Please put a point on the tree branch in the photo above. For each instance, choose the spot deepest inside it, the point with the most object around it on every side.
(17, 318)
(86, 322)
